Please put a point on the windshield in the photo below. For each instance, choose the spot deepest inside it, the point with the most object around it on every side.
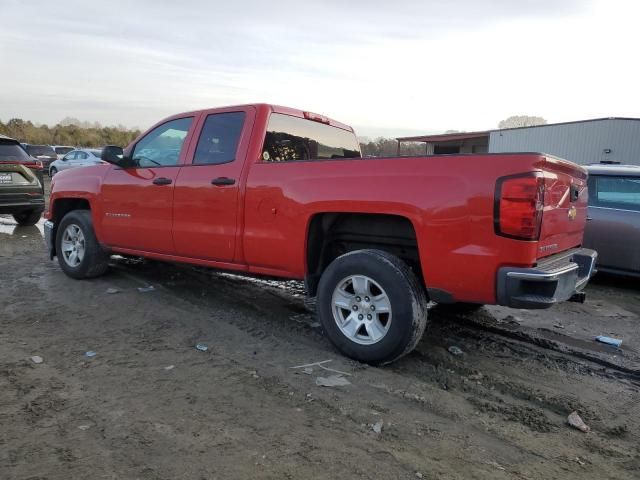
(63, 150)
(12, 151)
(35, 150)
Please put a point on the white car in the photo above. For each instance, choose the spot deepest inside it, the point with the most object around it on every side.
(84, 157)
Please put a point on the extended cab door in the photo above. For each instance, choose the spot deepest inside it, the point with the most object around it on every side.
(137, 201)
(207, 190)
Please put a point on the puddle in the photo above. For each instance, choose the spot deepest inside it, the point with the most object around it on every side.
(9, 227)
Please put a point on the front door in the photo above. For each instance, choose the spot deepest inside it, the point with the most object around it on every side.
(207, 189)
(137, 206)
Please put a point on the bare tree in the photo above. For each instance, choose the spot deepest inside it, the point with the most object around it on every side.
(516, 121)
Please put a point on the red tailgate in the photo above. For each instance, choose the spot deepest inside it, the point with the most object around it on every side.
(565, 206)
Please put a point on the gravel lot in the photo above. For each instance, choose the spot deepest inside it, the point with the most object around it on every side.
(151, 406)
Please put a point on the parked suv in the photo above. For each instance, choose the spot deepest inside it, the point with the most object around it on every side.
(21, 185)
(44, 153)
(62, 150)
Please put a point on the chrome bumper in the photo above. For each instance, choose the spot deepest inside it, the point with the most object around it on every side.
(555, 279)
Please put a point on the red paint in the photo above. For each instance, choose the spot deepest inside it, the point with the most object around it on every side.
(260, 223)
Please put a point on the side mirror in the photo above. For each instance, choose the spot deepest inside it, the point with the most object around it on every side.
(112, 154)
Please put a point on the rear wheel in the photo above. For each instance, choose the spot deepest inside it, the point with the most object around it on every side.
(79, 253)
(372, 306)
(28, 217)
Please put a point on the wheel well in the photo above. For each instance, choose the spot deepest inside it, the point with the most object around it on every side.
(333, 234)
(62, 206)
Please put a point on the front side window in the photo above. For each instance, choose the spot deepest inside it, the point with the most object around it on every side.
(292, 138)
(614, 192)
(218, 141)
(161, 146)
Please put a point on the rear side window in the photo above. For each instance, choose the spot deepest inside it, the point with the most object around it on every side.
(12, 151)
(218, 141)
(292, 138)
(614, 192)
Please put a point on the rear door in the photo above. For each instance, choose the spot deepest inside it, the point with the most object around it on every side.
(207, 192)
(137, 201)
(614, 228)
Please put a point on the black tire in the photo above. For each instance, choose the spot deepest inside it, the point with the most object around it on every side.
(95, 260)
(406, 296)
(52, 171)
(27, 217)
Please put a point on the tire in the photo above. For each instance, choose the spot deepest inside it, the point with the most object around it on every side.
(52, 171)
(28, 217)
(90, 259)
(345, 280)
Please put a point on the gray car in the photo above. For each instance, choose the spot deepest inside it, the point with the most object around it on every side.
(84, 157)
(614, 212)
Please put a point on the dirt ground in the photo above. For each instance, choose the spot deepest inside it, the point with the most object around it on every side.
(149, 405)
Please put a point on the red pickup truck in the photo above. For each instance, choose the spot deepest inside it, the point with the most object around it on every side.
(268, 190)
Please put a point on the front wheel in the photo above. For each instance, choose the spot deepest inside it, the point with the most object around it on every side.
(27, 218)
(372, 306)
(79, 253)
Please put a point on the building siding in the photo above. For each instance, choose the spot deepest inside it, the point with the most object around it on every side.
(580, 142)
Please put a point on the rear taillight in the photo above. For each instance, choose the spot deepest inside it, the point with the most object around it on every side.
(518, 207)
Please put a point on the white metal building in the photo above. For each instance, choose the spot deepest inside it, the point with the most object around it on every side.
(586, 141)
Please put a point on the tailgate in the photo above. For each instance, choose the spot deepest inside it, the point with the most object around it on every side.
(565, 206)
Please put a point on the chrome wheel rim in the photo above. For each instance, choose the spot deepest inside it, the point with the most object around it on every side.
(361, 309)
(73, 245)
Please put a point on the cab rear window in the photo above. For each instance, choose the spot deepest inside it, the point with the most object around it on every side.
(291, 138)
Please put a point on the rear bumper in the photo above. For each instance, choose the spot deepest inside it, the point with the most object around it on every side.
(18, 201)
(555, 279)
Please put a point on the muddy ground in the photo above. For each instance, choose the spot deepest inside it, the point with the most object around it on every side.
(151, 406)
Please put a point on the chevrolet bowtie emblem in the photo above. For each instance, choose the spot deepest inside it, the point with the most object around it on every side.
(572, 213)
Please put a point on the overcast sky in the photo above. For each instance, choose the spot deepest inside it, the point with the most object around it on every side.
(385, 67)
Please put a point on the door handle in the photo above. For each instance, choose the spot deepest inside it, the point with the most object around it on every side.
(162, 181)
(220, 181)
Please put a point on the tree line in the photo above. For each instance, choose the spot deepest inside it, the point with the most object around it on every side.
(70, 132)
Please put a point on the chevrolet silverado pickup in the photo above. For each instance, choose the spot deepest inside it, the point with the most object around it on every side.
(268, 190)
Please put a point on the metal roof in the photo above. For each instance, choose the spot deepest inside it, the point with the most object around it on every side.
(451, 137)
(445, 137)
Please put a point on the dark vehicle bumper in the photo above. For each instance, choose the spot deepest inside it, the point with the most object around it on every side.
(49, 234)
(555, 279)
(13, 201)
